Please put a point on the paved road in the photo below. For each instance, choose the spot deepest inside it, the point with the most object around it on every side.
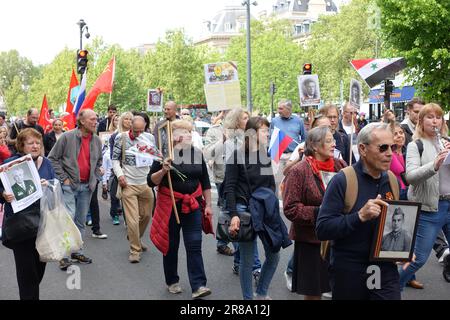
(111, 276)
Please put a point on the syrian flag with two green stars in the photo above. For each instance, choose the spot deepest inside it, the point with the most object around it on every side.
(374, 71)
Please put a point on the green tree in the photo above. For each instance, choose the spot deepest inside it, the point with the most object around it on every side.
(54, 81)
(419, 30)
(335, 41)
(12, 65)
(275, 57)
(16, 98)
(176, 66)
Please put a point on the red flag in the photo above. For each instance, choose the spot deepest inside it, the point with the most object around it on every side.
(104, 84)
(44, 121)
(68, 120)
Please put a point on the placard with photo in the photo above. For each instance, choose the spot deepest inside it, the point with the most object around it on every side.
(355, 93)
(396, 232)
(21, 178)
(154, 100)
(309, 90)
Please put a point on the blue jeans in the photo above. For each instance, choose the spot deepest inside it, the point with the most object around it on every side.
(430, 223)
(290, 266)
(77, 203)
(247, 250)
(191, 224)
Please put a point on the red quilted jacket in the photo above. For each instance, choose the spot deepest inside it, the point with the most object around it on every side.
(159, 231)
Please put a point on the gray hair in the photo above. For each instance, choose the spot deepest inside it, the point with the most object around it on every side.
(286, 103)
(365, 135)
(232, 118)
(316, 137)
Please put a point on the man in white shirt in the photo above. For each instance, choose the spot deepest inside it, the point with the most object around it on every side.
(131, 170)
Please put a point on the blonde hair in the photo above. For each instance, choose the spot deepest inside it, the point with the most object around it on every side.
(428, 108)
(112, 127)
(233, 117)
(122, 117)
(181, 124)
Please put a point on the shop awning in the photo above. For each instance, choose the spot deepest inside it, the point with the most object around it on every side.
(404, 94)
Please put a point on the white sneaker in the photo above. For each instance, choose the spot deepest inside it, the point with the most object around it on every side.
(288, 281)
(327, 295)
(201, 292)
(446, 253)
(258, 297)
(175, 288)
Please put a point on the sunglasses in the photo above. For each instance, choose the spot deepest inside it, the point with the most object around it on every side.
(382, 148)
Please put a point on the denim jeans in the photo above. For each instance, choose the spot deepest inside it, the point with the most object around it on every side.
(247, 250)
(237, 255)
(430, 223)
(191, 224)
(290, 266)
(115, 203)
(77, 203)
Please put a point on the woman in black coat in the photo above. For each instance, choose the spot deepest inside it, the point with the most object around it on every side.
(51, 137)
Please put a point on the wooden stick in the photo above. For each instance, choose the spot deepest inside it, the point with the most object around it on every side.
(169, 177)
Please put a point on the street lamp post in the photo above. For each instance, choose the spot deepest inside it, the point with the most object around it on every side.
(83, 26)
(249, 58)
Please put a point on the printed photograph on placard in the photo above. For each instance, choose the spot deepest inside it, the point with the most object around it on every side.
(326, 177)
(154, 100)
(21, 178)
(355, 93)
(221, 72)
(396, 232)
(309, 90)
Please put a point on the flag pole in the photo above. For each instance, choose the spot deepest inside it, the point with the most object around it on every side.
(169, 177)
(351, 142)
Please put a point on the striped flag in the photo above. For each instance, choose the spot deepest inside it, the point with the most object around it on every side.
(81, 96)
(279, 142)
(374, 71)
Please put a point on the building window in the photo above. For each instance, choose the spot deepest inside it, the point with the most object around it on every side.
(228, 26)
(306, 28)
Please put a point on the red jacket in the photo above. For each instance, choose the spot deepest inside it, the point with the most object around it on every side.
(4, 153)
(302, 199)
(159, 231)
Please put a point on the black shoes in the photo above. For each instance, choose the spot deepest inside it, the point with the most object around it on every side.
(446, 271)
(80, 258)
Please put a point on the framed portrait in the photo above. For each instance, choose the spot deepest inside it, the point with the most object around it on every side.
(355, 93)
(154, 100)
(395, 234)
(326, 177)
(21, 178)
(309, 90)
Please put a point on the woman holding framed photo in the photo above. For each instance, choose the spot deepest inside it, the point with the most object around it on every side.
(303, 195)
(29, 269)
(428, 177)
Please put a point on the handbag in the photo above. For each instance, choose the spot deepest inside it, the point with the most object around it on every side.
(246, 232)
(22, 225)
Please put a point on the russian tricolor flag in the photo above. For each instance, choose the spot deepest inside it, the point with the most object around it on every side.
(81, 96)
(278, 143)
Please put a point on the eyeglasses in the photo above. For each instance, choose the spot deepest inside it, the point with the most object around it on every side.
(382, 148)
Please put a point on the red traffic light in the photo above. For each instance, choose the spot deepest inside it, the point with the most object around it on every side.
(82, 53)
(307, 68)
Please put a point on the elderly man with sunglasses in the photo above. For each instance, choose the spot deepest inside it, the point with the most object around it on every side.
(352, 230)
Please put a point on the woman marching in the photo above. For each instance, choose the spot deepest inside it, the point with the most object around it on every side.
(303, 195)
(192, 193)
(29, 269)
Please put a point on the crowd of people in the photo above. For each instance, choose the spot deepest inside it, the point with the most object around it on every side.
(170, 191)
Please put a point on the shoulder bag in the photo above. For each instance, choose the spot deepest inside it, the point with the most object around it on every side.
(122, 159)
(246, 232)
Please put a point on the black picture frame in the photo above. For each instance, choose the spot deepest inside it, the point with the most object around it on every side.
(390, 245)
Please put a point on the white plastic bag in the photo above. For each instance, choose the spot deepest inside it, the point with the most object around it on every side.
(58, 236)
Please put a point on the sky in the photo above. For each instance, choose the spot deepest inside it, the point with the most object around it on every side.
(40, 29)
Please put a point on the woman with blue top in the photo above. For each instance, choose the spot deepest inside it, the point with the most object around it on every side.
(29, 269)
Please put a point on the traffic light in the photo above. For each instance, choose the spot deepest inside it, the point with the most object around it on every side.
(389, 87)
(82, 60)
(307, 68)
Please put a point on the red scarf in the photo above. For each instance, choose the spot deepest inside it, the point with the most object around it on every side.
(317, 165)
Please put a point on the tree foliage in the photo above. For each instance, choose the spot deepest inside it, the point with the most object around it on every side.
(275, 57)
(335, 41)
(419, 30)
